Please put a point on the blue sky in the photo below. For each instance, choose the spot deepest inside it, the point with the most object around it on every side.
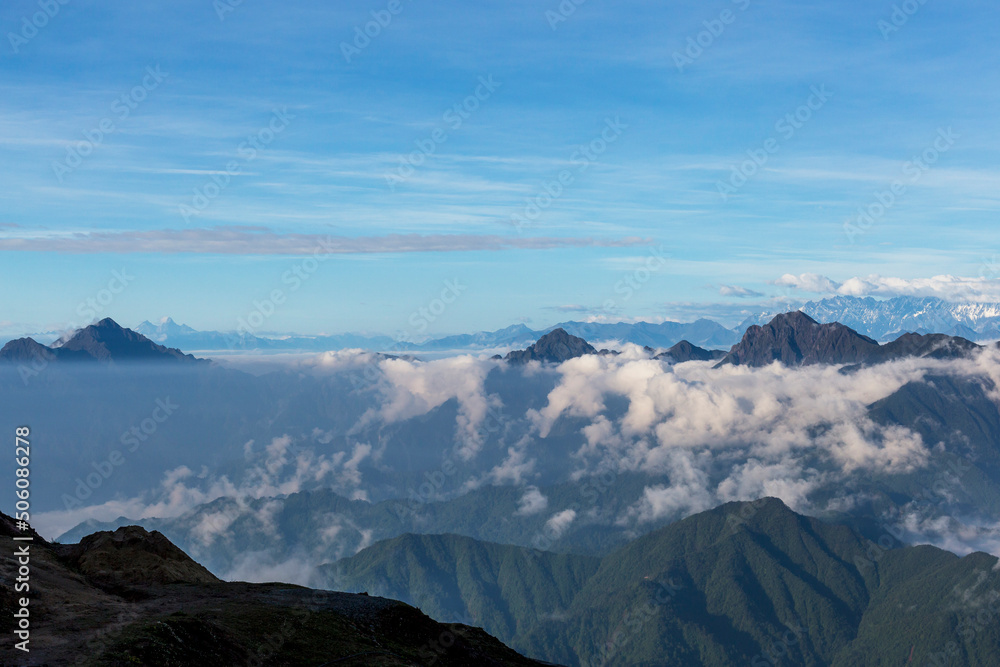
(313, 140)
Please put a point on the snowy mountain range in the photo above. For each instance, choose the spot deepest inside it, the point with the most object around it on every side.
(705, 333)
(886, 319)
(883, 320)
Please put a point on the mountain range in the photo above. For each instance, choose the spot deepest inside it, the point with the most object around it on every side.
(886, 319)
(563, 569)
(749, 583)
(881, 320)
(663, 335)
(792, 338)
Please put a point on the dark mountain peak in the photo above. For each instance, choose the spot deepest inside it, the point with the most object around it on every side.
(761, 512)
(795, 339)
(556, 346)
(685, 351)
(25, 350)
(516, 329)
(557, 334)
(764, 515)
(166, 326)
(8, 528)
(937, 346)
(106, 340)
(108, 324)
(132, 555)
(793, 318)
(102, 330)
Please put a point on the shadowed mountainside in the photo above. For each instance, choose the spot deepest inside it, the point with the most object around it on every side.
(745, 583)
(556, 346)
(795, 339)
(685, 351)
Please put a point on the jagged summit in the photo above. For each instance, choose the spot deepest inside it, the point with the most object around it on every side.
(938, 346)
(556, 346)
(164, 329)
(685, 351)
(25, 350)
(796, 339)
(105, 341)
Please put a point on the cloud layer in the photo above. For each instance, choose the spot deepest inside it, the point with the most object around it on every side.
(262, 241)
(946, 287)
(695, 435)
(736, 433)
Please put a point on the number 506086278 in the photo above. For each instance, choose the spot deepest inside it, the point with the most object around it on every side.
(22, 457)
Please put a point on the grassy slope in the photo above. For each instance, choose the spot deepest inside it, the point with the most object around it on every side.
(746, 583)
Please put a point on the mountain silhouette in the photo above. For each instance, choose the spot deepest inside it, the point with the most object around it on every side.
(555, 347)
(795, 339)
(105, 341)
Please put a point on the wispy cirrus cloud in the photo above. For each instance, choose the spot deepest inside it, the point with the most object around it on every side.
(739, 292)
(571, 308)
(263, 241)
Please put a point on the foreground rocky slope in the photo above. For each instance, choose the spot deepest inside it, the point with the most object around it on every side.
(133, 598)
